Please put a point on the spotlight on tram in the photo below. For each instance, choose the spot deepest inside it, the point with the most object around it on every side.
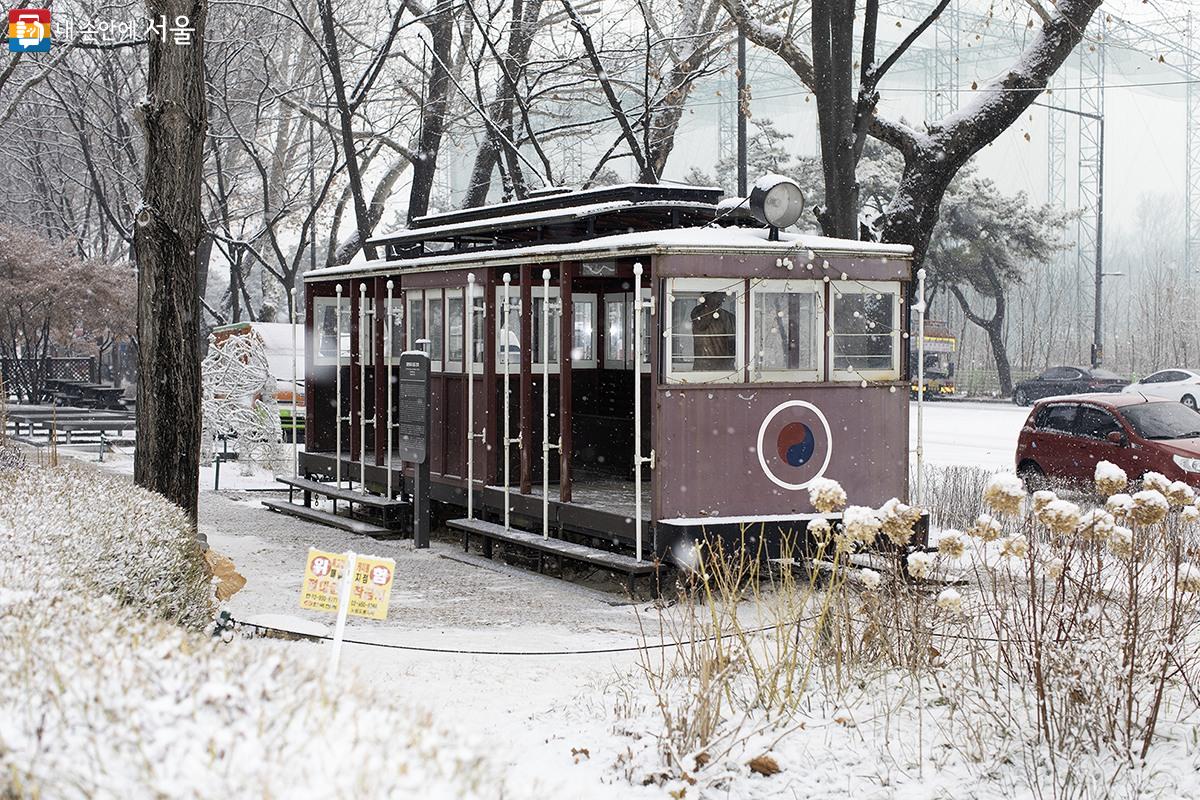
(777, 202)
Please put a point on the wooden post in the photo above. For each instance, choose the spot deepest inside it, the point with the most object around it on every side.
(526, 446)
(566, 340)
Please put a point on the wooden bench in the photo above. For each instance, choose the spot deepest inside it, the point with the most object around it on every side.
(326, 518)
(387, 506)
(490, 532)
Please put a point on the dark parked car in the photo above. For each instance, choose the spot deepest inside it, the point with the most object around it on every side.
(1067, 380)
(1065, 437)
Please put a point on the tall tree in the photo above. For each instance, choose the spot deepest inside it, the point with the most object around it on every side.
(933, 155)
(167, 240)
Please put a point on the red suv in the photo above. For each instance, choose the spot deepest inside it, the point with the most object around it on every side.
(1065, 437)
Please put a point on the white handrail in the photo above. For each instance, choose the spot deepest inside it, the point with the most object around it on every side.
(507, 441)
(637, 408)
(470, 365)
(362, 389)
(920, 382)
(545, 404)
(387, 372)
(337, 417)
(295, 443)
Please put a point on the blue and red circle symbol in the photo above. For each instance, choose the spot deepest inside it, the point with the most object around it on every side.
(796, 443)
(802, 443)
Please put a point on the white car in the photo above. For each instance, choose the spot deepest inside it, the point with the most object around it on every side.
(1181, 385)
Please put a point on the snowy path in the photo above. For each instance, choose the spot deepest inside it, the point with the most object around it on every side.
(970, 434)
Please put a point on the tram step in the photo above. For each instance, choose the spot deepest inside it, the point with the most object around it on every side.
(332, 520)
(617, 562)
(343, 493)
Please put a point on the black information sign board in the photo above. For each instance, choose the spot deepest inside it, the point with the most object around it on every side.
(412, 424)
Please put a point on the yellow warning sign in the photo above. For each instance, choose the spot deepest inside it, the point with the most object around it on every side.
(370, 592)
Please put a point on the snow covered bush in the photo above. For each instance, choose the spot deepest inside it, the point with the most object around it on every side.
(107, 689)
(76, 529)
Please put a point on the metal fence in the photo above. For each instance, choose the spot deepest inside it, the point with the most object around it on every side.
(26, 377)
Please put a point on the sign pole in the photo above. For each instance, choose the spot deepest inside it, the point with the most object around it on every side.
(413, 439)
(339, 630)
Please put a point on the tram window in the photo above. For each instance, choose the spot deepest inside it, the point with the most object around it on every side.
(583, 338)
(865, 331)
(435, 327)
(705, 335)
(454, 331)
(366, 334)
(478, 331)
(508, 328)
(395, 345)
(786, 318)
(614, 331)
(325, 330)
(416, 319)
(538, 306)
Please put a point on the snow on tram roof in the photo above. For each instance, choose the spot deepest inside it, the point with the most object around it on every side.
(705, 239)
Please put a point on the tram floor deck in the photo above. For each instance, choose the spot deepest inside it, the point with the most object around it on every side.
(612, 495)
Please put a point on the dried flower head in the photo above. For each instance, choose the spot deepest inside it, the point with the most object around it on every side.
(1043, 498)
(1149, 507)
(1156, 481)
(1014, 546)
(1059, 515)
(1004, 493)
(861, 525)
(951, 544)
(1120, 506)
(1055, 568)
(1096, 525)
(1190, 514)
(1180, 494)
(950, 600)
(826, 495)
(920, 564)
(1188, 578)
(1121, 542)
(986, 527)
(1110, 478)
(898, 521)
(869, 578)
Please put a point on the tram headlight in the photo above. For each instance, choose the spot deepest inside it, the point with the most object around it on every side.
(776, 201)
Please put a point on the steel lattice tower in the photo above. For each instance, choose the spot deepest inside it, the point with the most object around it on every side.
(1091, 163)
(1192, 186)
(942, 73)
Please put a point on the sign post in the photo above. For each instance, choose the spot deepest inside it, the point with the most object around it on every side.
(346, 583)
(412, 428)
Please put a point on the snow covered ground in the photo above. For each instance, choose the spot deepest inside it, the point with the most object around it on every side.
(582, 724)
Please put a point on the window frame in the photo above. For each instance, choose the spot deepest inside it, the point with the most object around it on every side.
(683, 284)
(454, 293)
(789, 286)
(430, 298)
(594, 299)
(476, 292)
(624, 300)
(846, 288)
(320, 303)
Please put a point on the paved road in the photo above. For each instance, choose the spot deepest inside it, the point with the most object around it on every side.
(973, 434)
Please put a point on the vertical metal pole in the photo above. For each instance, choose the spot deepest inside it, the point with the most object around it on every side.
(337, 417)
(637, 407)
(545, 404)
(1098, 330)
(295, 386)
(362, 387)
(469, 354)
(387, 371)
(504, 350)
(920, 382)
(743, 99)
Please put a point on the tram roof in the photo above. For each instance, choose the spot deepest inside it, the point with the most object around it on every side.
(700, 239)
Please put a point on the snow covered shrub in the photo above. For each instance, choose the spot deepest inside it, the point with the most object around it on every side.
(83, 530)
(97, 700)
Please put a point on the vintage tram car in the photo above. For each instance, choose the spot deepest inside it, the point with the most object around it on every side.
(662, 372)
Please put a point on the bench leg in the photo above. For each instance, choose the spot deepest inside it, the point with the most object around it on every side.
(466, 542)
(540, 561)
(631, 584)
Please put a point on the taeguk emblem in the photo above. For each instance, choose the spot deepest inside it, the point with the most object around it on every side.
(794, 444)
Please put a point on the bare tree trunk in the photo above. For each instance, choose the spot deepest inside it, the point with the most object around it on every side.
(433, 115)
(994, 328)
(167, 241)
